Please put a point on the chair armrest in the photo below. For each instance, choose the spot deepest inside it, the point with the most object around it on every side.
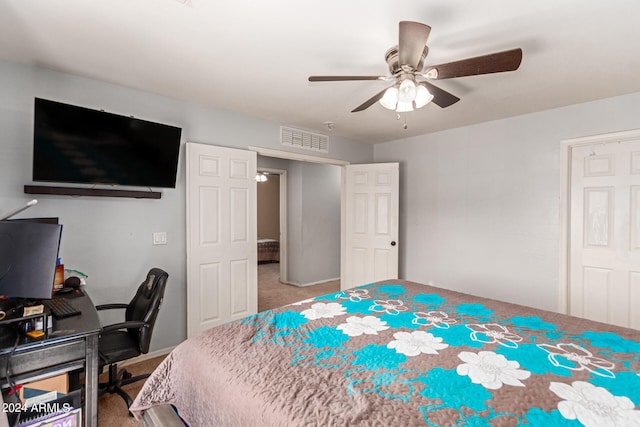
(124, 325)
(111, 306)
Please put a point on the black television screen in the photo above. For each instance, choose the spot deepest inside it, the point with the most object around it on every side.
(28, 256)
(79, 145)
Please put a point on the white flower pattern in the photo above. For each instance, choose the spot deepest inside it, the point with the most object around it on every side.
(321, 310)
(368, 325)
(494, 333)
(354, 295)
(392, 306)
(578, 358)
(439, 319)
(491, 370)
(416, 343)
(595, 406)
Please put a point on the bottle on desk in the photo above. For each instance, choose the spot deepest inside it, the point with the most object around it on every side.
(58, 279)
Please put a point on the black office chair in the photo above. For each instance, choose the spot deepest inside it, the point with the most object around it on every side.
(131, 338)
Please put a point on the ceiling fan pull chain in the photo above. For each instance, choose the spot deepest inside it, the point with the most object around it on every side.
(405, 120)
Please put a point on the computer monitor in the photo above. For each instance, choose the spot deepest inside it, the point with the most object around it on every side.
(28, 255)
(43, 220)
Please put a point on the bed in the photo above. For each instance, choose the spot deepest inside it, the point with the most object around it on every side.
(268, 250)
(401, 353)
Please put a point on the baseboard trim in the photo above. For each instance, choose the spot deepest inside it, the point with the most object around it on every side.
(150, 355)
(304, 285)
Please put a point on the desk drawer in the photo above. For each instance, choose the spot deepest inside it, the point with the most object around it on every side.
(39, 358)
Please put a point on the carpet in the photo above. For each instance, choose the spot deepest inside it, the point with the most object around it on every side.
(272, 293)
(112, 410)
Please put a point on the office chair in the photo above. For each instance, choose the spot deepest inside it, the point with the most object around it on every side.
(131, 338)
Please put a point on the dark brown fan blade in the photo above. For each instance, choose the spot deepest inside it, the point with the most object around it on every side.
(411, 43)
(342, 78)
(441, 97)
(508, 60)
(369, 102)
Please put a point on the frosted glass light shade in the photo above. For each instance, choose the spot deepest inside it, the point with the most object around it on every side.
(407, 91)
(390, 98)
(403, 98)
(403, 107)
(423, 97)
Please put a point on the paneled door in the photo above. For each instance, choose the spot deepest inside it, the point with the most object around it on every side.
(221, 236)
(370, 220)
(604, 266)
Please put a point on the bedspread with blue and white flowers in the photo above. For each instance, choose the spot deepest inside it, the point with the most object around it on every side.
(403, 354)
(409, 354)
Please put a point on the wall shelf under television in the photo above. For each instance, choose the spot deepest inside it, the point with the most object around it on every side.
(99, 192)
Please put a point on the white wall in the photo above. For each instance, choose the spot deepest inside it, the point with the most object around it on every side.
(110, 238)
(480, 204)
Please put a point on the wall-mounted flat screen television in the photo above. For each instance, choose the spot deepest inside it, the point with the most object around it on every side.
(73, 144)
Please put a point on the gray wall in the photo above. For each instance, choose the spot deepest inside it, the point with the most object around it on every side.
(269, 208)
(480, 204)
(317, 256)
(313, 193)
(110, 238)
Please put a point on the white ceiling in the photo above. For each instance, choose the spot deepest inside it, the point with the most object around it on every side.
(255, 56)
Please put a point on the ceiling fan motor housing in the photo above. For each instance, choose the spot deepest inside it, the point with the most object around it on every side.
(391, 58)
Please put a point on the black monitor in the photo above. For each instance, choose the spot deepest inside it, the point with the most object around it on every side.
(43, 220)
(28, 255)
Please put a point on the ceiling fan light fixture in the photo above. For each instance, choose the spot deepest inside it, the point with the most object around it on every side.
(423, 97)
(261, 177)
(390, 98)
(404, 107)
(407, 91)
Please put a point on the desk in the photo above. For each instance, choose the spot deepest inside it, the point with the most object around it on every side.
(71, 344)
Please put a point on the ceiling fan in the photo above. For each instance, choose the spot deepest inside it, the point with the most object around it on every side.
(411, 86)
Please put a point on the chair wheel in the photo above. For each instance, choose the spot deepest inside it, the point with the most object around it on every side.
(126, 375)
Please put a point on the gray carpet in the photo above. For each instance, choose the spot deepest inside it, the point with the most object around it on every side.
(112, 411)
(272, 293)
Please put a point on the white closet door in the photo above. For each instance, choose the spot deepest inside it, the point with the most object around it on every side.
(604, 281)
(370, 251)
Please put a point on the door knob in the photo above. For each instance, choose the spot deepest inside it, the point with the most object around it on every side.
(393, 243)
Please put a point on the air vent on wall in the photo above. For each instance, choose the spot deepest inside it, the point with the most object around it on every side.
(302, 139)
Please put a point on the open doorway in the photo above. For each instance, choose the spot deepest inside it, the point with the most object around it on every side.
(224, 274)
(299, 212)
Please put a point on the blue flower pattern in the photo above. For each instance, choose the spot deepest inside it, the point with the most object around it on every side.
(375, 368)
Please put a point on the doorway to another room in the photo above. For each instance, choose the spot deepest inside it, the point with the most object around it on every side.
(222, 265)
(298, 224)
